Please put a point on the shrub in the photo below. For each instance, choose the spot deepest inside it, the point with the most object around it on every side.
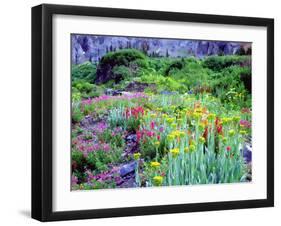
(77, 115)
(246, 78)
(98, 160)
(82, 86)
(229, 77)
(122, 72)
(85, 71)
(78, 157)
(177, 65)
(193, 74)
(86, 89)
(119, 65)
(217, 63)
(122, 57)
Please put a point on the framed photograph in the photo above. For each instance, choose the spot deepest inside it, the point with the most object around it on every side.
(145, 112)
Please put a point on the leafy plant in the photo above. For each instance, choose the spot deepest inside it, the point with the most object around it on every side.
(217, 63)
(85, 71)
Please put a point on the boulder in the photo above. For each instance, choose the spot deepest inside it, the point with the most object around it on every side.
(128, 168)
(139, 86)
(247, 153)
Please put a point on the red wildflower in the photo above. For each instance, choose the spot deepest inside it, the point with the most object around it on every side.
(218, 125)
(152, 125)
(136, 112)
(138, 133)
(228, 148)
(158, 137)
(205, 134)
(246, 110)
(219, 129)
(245, 123)
(150, 133)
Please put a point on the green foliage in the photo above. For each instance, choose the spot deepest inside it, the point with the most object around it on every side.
(89, 108)
(117, 118)
(177, 65)
(120, 65)
(103, 184)
(217, 63)
(78, 157)
(122, 57)
(191, 75)
(115, 140)
(228, 85)
(85, 71)
(122, 71)
(246, 78)
(148, 150)
(77, 115)
(84, 89)
(82, 86)
(98, 160)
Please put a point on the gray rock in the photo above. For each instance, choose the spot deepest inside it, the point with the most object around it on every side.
(128, 168)
(112, 92)
(247, 153)
(168, 92)
(87, 121)
(139, 86)
(108, 92)
(93, 48)
(131, 138)
(117, 93)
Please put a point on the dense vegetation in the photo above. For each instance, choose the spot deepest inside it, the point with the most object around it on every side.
(145, 121)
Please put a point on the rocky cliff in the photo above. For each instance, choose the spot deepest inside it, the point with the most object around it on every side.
(92, 48)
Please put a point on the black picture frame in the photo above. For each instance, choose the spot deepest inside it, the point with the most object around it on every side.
(42, 108)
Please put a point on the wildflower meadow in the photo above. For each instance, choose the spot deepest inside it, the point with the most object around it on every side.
(156, 112)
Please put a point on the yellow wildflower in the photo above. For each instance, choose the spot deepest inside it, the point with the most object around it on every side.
(225, 120)
(197, 115)
(164, 116)
(137, 156)
(198, 110)
(170, 120)
(231, 132)
(201, 126)
(181, 134)
(192, 142)
(192, 148)
(157, 180)
(157, 143)
(175, 152)
(175, 133)
(202, 140)
(186, 149)
(236, 118)
(211, 116)
(153, 115)
(170, 137)
(155, 164)
(179, 121)
(174, 125)
(243, 132)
